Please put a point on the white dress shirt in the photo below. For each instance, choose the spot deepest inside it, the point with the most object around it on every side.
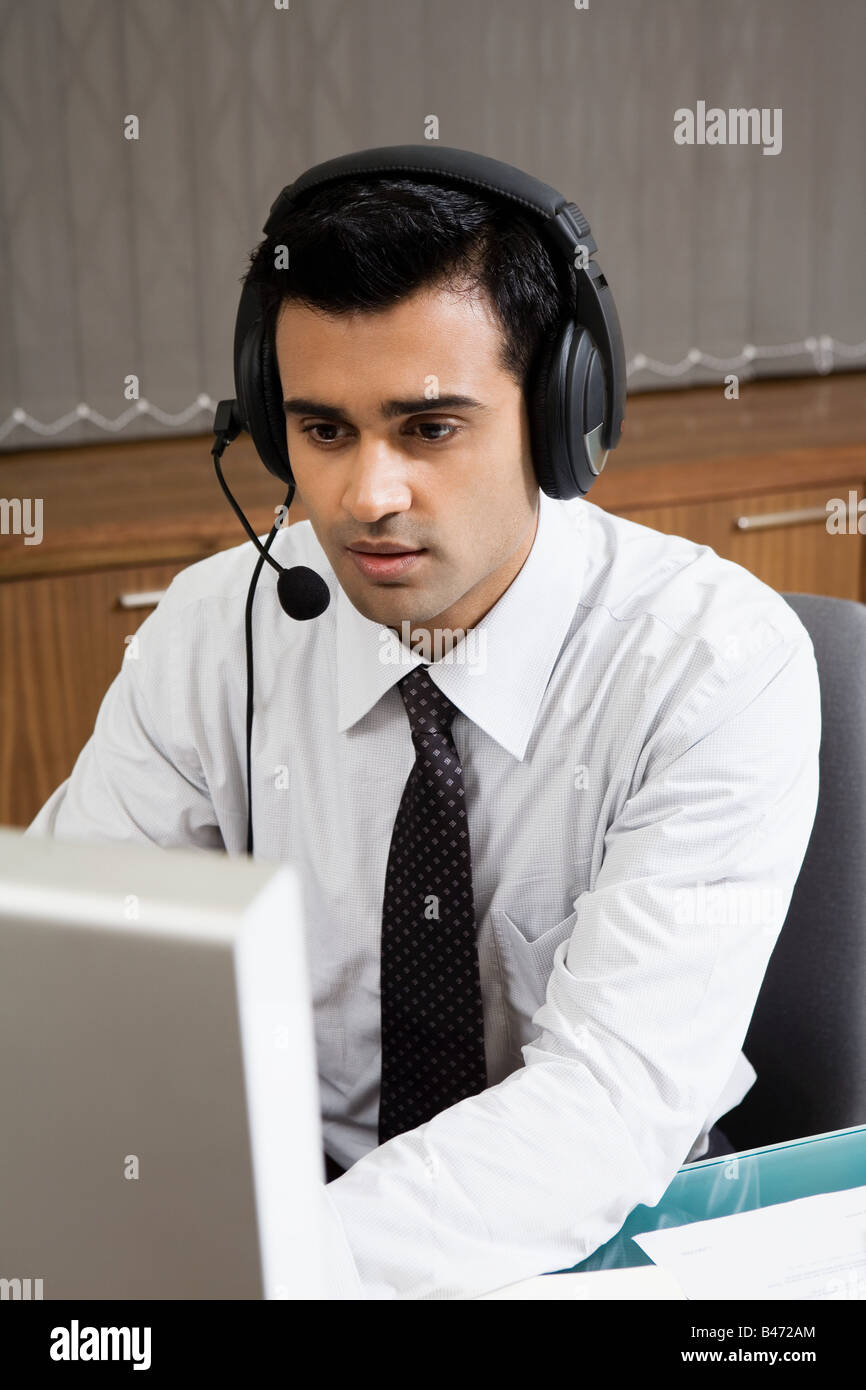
(638, 723)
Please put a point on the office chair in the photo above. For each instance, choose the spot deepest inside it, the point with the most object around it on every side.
(807, 1036)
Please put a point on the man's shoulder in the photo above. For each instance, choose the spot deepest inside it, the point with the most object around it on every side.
(635, 573)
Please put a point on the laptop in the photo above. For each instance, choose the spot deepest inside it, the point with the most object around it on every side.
(160, 1126)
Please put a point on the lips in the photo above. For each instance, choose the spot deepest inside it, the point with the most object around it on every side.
(386, 564)
(389, 548)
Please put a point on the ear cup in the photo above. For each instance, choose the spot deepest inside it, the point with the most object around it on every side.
(272, 395)
(562, 402)
(248, 383)
(579, 375)
(538, 405)
(594, 417)
(556, 409)
(253, 394)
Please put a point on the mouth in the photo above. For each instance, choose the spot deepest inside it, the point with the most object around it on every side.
(384, 564)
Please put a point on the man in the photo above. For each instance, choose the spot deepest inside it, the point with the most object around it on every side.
(548, 776)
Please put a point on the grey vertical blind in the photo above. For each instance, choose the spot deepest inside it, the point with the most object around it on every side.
(123, 256)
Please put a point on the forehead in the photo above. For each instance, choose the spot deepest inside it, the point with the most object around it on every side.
(447, 333)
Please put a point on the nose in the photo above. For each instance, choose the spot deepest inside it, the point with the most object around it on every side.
(377, 482)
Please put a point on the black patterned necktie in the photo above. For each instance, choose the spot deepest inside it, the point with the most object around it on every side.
(432, 1015)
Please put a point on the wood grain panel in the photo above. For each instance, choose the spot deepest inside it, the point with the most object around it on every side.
(801, 558)
(62, 641)
(153, 500)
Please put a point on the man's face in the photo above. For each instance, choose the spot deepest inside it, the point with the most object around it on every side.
(379, 454)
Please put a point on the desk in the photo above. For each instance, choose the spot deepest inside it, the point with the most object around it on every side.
(740, 1182)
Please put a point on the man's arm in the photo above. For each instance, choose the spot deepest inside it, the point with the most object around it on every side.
(138, 777)
(646, 1010)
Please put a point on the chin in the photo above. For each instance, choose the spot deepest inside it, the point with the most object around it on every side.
(372, 605)
(379, 607)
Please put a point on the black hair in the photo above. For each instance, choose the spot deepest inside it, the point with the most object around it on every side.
(365, 244)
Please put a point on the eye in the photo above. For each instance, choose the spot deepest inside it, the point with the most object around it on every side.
(324, 425)
(438, 425)
(452, 431)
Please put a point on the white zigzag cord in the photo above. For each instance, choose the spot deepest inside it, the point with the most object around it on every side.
(824, 350)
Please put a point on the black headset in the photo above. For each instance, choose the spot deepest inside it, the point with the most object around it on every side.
(575, 395)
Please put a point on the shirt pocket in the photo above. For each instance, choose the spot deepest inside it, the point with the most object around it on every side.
(525, 967)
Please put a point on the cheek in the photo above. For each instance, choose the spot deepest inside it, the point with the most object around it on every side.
(313, 485)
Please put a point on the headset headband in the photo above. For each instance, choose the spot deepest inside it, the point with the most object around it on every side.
(563, 224)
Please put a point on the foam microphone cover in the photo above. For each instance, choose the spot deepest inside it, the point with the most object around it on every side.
(302, 593)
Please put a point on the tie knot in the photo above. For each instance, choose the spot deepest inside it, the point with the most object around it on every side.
(428, 709)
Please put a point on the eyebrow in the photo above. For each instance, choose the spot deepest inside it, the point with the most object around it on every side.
(390, 410)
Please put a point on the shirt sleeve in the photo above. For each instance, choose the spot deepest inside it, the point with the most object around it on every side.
(139, 778)
(646, 1008)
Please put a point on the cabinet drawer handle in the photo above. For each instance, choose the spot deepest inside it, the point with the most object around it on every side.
(145, 598)
(792, 518)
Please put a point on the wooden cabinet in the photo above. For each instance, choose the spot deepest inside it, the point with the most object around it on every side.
(119, 523)
(63, 641)
(782, 537)
(751, 478)
(122, 519)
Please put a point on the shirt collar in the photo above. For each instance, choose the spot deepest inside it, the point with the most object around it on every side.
(497, 674)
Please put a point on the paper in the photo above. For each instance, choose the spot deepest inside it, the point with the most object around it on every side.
(811, 1248)
(642, 1282)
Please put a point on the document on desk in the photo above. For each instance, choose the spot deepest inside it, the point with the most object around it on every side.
(810, 1248)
